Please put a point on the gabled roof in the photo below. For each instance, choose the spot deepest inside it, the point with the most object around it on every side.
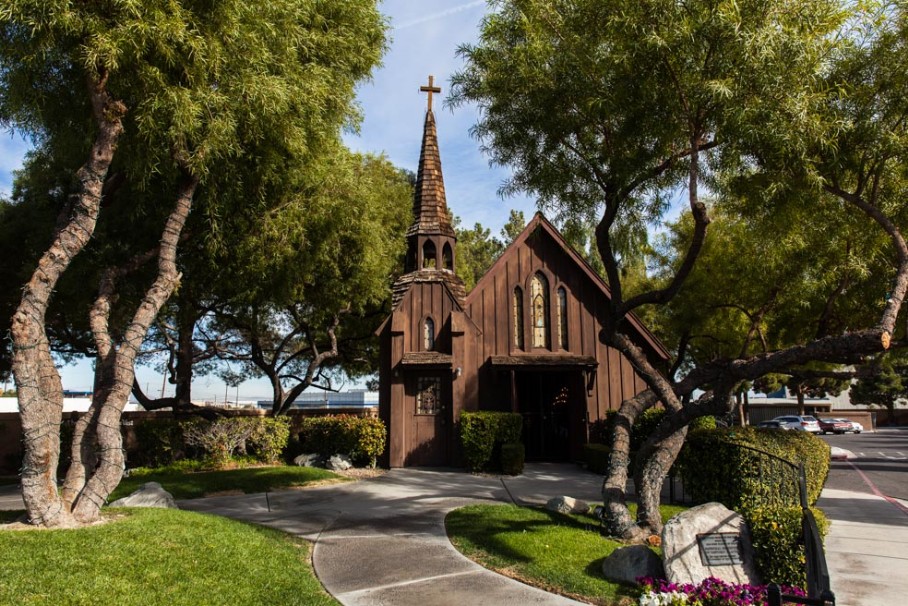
(539, 222)
(449, 279)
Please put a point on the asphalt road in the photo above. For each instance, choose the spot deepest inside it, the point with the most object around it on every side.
(881, 456)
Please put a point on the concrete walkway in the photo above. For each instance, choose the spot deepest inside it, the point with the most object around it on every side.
(383, 541)
(866, 548)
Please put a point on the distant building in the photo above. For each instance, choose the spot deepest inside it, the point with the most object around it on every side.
(359, 398)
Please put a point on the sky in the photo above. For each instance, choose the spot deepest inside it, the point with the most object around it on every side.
(424, 39)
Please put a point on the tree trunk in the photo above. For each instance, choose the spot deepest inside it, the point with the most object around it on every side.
(116, 368)
(653, 466)
(40, 389)
(186, 321)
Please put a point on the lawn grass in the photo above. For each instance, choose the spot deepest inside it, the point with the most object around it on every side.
(557, 552)
(150, 557)
(192, 485)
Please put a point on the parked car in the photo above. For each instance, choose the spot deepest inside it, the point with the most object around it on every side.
(771, 425)
(853, 426)
(834, 426)
(799, 423)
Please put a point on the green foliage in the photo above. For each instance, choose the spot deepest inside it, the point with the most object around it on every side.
(220, 439)
(513, 455)
(160, 442)
(363, 439)
(776, 534)
(164, 442)
(165, 557)
(477, 249)
(268, 438)
(886, 384)
(481, 431)
(596, 457)
(721, 465)
(715, 466)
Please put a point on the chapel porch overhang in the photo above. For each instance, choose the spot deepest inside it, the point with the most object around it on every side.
(420, 360)
(544, 362)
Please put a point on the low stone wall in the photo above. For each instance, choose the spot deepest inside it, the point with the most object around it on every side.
(11, 428)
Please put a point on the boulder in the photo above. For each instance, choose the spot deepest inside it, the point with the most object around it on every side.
(309, 460)
(339, 462)
(625, 565)
(151, 494)
(708, 540)
(567, 505)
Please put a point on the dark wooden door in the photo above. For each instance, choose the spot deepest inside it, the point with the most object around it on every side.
(429, 421)
(545, 399)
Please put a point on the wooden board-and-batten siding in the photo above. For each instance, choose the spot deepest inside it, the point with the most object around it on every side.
(490, 305)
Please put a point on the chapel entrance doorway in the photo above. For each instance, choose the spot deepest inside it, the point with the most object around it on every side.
(551, 404)
(429, 426)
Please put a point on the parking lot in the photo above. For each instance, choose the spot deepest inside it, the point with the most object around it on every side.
(882, 456)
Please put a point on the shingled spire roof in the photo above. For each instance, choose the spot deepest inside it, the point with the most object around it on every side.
(430, 210)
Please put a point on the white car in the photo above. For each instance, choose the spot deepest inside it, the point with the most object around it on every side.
(855, 426)
(799, 423)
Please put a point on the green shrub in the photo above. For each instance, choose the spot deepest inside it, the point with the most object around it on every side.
(363, 439)
(220, 439)
(160, 442)
(776, 535)
(513, 455)
(268, 438)
(482, 431)
(721, 465)
(596, 457)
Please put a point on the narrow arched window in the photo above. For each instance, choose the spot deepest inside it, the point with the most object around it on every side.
(518, 318)
(429, 334)
(428, 255)
(539, 310)
(562, 318)
(447, 257)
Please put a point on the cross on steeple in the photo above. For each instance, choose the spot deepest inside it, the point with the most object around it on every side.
(430, 89)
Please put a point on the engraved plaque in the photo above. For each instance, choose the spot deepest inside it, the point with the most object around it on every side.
(720, 549)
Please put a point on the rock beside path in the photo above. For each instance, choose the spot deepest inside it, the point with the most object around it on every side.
(151, 494)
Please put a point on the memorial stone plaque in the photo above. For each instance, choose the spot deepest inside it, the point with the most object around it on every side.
(720, 549)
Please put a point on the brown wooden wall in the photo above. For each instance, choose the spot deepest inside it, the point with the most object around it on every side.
(490, 307)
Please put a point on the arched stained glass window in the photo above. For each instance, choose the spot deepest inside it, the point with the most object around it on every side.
(429, 334)
(518, 318)
(539, 310)
(562, 318)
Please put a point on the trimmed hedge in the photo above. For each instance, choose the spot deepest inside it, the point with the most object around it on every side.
(363, 439)
(715, 468)
(596, 457)
(482, 431)
(719, 465)
(776, 535)
(513, 455)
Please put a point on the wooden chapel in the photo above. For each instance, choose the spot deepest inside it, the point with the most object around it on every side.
(525, 339)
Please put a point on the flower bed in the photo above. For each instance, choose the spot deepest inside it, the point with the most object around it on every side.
(709, 592)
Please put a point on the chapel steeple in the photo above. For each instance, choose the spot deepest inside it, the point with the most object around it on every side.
(431, 240)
